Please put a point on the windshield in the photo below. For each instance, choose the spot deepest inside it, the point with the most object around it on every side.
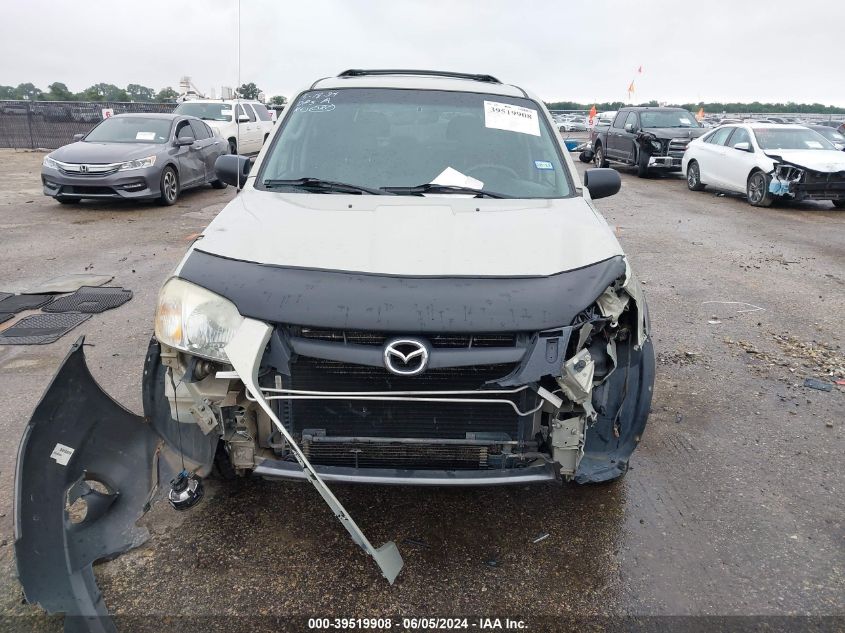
(667, 118)
(130, 129)
(830, 134)
(794, 138)
(206, 111)
(402, 138)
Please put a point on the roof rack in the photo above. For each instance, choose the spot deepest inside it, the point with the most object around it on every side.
(358, 72)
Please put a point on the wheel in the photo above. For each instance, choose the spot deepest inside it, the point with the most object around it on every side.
(233, 146)
(839, 204)
(219, 184)
(169, 187)
(62, 200)
(599, 158)
(694, 177)
(642, 164)
(757, 190)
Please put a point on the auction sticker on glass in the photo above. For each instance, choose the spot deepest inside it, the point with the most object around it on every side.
(504, 116)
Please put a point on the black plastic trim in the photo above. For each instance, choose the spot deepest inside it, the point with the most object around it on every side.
(352, 300)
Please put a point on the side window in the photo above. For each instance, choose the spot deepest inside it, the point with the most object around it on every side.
(262, 112)
(619, 121)
(247, 110)
(200, 129)
(740, 136)
(720, 136)
(208, 129)
(632, 120)
(183, 129)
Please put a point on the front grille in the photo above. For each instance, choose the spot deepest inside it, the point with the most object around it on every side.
(426, 420)
(87, 190)
(677, 147)
(822, 186)
(450, 341)
(396, 455)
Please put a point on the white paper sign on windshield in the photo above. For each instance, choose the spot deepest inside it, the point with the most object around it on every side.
(145, 136)
(453, 178)
(504, 116)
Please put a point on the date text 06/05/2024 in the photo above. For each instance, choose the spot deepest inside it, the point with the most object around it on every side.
(412, 624)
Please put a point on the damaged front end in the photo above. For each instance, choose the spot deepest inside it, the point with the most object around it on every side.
(281, 401)
(659, 152)
(792, 181)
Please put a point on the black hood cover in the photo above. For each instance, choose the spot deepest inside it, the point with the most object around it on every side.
(348, 300)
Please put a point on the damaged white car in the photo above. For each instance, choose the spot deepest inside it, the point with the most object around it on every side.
(412, 287)
(767, 162)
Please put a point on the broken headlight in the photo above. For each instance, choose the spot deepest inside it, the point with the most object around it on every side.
(195, 320)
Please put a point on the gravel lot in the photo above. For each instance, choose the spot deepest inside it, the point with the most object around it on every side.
(733, 505)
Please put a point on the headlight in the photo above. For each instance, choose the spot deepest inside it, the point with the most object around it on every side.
(195, 320)
(656, 145)
(49, 162)
(149, 161)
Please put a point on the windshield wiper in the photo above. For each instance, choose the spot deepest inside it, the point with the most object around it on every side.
(318, 185)
(418, 190)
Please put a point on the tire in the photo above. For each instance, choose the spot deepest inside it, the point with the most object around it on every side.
(169, 187)
(757, 190)
(694, 177)
(233, 146)
(642, 165)
(839, 204)
(599, 158)
(62, 200)
(219, 184)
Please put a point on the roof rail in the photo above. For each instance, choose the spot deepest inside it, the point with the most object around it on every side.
(358, 72)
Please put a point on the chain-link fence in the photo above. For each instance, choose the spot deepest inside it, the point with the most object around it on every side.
(51, 124)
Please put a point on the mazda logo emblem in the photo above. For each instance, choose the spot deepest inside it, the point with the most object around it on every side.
(405, 356)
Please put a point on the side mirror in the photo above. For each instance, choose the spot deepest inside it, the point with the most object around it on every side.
(743, 146)
(183, 141)
(602, 182)
(243, 118)
(232, 169)
(78, 137)
(629, 127)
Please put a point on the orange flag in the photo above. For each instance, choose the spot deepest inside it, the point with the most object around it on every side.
(700, 114)
(593, 112)
(631, 88)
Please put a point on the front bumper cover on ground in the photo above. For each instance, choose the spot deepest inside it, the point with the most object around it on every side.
(76, 436)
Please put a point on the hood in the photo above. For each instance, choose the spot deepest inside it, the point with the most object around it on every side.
(824, 160)
(675, 132)
(82, 152)
(440, 236)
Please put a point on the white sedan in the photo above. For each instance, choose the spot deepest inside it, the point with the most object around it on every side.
(767, 161)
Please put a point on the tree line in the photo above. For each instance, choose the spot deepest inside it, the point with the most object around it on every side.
(710, 108)
(57, 91)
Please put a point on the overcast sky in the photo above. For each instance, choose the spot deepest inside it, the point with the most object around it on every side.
(584, 51)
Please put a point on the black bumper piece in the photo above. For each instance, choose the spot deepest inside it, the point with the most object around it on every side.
(79, 435)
